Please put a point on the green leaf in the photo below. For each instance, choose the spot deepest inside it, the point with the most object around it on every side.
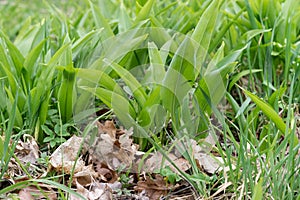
(125, 21)
(47, 130)
(157, 68)
(270, 113)
(120, 105)
(14, 53)
(240, 75)
(66, 92)
(149, 109)
(134, 85)
(31, 61)
(99, 79)
(101, 22)
(205, 28)
(79, 44)
(145, 11)
(258, 191)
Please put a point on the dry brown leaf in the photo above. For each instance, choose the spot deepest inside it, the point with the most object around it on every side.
(153, 187)
(113, 147)
(86, 176)
(156, 162)
(31, 192)
(222, 188)
(64, 157)
(106, 174)
(95, 191)
(204, 159)
(27, 151)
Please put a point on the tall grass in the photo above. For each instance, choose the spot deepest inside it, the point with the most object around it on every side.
(156, 63)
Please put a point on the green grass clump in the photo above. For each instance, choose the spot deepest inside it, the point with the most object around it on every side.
(165, 69)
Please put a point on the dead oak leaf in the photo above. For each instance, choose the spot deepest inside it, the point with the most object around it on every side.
(27, 150)
(153, 187)
(64, 157)
(113, 147)
(156, 161)
(32, 192)
(95, 191)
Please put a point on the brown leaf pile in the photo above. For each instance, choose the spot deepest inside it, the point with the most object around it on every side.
(111, 152)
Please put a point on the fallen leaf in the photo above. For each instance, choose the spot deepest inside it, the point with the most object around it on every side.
(95, 191)
(154, 188)
(86, 176)
(64, 157)
(106, 174)
(32, 192)
(112, 147)
(27, 150)
(156, 161)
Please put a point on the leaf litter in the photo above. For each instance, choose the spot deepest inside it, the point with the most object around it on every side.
(110, 154)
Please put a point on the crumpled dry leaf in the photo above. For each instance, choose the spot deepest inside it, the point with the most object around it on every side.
(96, 191)
(32, 192)
(201, 151)
(153, 187)
(86, 176)
(204, 159)
(113, 147)
(27, 151)
(106, 174)
(63, 158)
(156, 162)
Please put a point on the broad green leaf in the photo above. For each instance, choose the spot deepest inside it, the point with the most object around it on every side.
(101, 22)
(125, 22)
(157, 69)
(18, 119)
(145, 11)
(174, 89)
(66, 92)
(25, 36)
(246, 37)
(99, 79)
(205, 28)
(13, 88)
(78, 45)
(270, 113)
(184, 59)
(159, 34)
(213, 84)
(276, 95)
(145, 116)
(10, 77)
(4, 56)
(134, 85)
(56, 57)
(31, 61)
(3, 155)
(258, 191)
(120, 105)
(14, 53)
(43, 110)
(42, 33)
(240, 75)
(115, 48)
